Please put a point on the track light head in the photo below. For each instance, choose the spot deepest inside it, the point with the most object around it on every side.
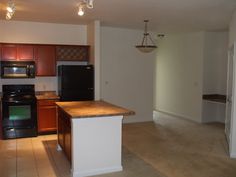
(10, 10)
(83, 4)
(81, 10)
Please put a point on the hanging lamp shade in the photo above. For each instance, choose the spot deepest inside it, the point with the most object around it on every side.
(147, 44)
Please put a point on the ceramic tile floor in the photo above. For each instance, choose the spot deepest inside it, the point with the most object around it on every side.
(170, 147)
(32, 157)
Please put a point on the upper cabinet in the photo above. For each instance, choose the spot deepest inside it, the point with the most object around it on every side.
(72, 53)
(25, 52)
(21, 52)
(9, 52)
(45, 60)
(44, 55)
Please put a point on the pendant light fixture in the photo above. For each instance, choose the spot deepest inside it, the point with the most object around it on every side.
(147, 44)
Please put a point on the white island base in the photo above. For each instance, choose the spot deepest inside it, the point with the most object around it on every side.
(90, 134)
(96, 145)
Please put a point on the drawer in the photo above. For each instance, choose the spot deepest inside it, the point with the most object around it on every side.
(46, 102)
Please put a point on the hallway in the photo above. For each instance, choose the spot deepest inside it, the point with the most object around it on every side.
(181, 148)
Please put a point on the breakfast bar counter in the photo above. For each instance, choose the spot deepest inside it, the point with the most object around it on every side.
(90, 132)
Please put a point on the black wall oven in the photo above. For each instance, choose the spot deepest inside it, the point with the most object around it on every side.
(19, 111)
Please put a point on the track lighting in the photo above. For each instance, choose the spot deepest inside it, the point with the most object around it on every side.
(83, 4)
(81, 11)
(90, 4)
(10, 10)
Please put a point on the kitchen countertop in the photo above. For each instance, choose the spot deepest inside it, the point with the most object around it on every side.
(215, 98)
(46, 95)
(83, 109)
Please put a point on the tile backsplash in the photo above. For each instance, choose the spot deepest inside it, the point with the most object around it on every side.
(41, 83)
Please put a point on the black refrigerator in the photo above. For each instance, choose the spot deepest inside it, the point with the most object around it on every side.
(76, 82)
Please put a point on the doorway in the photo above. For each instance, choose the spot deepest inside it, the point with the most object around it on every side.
(230, 104)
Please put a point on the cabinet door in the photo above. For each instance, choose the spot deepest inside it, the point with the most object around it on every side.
(60, 129)
(46, 118)
(1, 136)
(64, 133)
(9, 52)
(45, 60)
(25, 52)
(0, 51)
(67, 141)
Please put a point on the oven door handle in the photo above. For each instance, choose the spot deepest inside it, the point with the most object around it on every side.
(17, 101)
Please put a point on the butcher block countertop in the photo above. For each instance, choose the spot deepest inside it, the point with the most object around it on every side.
(47, 95)
(85, 109)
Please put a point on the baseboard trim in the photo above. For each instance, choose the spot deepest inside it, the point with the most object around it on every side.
(96, 171)
(232, 155)
(157, 113)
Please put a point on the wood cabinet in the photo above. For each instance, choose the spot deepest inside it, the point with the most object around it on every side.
(0, 51)
(64, 132)
(1, 135)
(8, 52)
(45, 60)
(46, 116)
(45, 56)
(15, 52)
(25, 52)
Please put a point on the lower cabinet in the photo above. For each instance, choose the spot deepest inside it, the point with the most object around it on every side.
(46, 116)
(1, 136)
(64, 132)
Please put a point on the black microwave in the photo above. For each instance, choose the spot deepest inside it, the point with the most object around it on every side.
(17, 69)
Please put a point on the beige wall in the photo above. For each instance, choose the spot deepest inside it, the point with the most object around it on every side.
(41, 83)
(178, 77)
(93, 38)
(45, 33)
(126, 73)
(41, 33)
(187, 66)
(215, 62)
(232, 39)
(232, 29)
(214, 74)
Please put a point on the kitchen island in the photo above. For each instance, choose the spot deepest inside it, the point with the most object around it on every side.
(90, 134)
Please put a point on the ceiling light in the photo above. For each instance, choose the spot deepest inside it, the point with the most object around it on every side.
(146, 46)
(8, 16)
(90, 4)
(81, 10)
(83, 4)
(10, 10)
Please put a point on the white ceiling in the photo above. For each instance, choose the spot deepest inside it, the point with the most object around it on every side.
(164, 15)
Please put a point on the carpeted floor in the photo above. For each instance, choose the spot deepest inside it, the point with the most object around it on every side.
(133, 166)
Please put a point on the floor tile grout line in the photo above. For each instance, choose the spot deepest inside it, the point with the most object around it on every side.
(35, 160)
